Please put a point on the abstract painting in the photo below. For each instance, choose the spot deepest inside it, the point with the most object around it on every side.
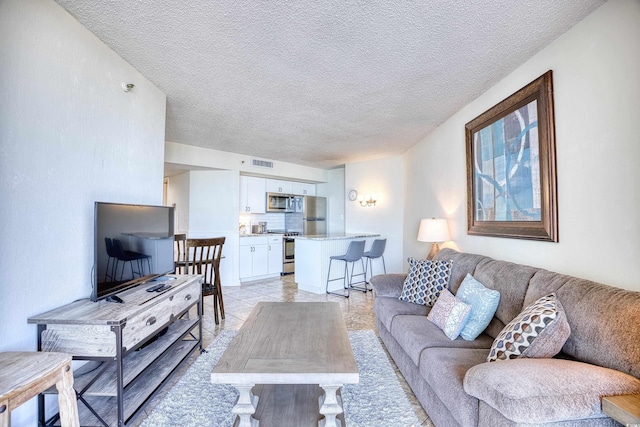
(511, 173)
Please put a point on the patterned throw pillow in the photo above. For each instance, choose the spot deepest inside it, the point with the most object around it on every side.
(539, 331)
(425, 280)
(484, 303)
(449, 314)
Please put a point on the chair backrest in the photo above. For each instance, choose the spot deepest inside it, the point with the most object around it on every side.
(180, 247)
(118, 251)
(204, 257)
(110, 249)
(377, 248)
(354, 251)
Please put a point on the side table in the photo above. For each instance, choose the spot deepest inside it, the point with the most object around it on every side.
(625, 409)
(24, 375)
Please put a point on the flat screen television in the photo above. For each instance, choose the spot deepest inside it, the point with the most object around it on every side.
(144, 232)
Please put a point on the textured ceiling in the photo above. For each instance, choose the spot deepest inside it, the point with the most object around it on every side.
(322, 82)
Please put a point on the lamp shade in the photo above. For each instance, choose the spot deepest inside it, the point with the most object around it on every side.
(433, 230)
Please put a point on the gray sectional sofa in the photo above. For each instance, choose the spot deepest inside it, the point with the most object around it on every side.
(457, 387)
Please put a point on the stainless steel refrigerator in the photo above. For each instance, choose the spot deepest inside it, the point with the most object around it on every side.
(314, 215)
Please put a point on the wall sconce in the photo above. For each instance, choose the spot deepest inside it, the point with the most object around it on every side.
(434, 230)
(364, 202)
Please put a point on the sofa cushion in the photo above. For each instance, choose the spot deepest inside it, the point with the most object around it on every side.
(539, 331)
(415, 333)
(599, 317)
(484, 303)
(449, 314)
(387, 308)
(387, 285)
(444, 371)
(512, 281)
(463, 264)
(425, 280)
(567, 390)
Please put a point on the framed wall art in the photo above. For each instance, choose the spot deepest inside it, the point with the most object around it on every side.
(511, 166)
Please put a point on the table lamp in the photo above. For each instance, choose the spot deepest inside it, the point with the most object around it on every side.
(434, 230)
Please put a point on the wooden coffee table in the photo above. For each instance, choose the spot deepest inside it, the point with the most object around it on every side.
(289, 343)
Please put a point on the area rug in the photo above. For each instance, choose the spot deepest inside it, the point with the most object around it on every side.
(378, 400)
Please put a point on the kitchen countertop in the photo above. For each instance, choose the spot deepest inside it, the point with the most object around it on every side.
(336, 236)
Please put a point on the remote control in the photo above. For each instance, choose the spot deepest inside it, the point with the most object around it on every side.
(155, 287)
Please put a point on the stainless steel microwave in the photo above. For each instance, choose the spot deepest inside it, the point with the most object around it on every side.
(277, 202)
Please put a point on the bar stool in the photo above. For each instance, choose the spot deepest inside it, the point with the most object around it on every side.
(130, 256)
(354, 254)
(376, 251)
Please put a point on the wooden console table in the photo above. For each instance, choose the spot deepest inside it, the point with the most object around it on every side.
(625, 409)
(119, 338)
(24, 375)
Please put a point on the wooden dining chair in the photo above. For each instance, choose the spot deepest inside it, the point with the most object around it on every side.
(204, 258)
(180, 253)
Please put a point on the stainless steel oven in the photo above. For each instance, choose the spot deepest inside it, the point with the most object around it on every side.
(288, 253)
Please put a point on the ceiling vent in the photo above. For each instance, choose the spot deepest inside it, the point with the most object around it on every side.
(262, 163)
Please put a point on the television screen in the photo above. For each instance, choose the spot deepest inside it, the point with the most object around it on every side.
(131, 242)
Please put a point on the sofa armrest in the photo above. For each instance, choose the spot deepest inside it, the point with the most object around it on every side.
(388, 285)
(546, 390)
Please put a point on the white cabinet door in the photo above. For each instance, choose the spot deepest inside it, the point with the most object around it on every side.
(275, 255)
(260, 260)
(246, 261)
(252, 194)
(278, 186)
(303, 189)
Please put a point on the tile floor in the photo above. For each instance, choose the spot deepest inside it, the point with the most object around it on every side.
(240, 300)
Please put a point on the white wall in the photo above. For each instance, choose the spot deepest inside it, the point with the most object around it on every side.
(181, 154)
(178, 196)
(213, 212)
(69, 136)
(596, 66)
(334, 191)
(384, 178)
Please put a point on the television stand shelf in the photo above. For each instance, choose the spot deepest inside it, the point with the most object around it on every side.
(137, 345)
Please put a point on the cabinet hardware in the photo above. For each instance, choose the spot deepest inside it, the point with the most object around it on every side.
(151, 321)
(187, 297)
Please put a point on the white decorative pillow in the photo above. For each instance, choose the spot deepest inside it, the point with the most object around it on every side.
(539, 331)
(425, 280)
(484, 303)
(449, 314)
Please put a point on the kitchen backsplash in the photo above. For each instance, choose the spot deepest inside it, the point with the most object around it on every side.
(275, 221)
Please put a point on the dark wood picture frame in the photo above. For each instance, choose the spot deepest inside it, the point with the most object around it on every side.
(509, 219)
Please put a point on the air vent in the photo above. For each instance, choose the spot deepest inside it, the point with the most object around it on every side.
(262, 163)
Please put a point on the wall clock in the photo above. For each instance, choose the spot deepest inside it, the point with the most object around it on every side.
(353, 195)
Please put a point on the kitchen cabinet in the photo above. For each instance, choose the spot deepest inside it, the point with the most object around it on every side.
(252, 194)
(278, 186)
(260, 256)
(303, 189)
(275, 254)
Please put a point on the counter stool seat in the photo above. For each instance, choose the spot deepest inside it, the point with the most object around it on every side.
(376, 251)
(353, 255)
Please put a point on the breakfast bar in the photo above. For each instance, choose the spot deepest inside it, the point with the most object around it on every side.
(312, 259)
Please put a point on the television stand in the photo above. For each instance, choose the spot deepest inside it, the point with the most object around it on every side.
(135, 359)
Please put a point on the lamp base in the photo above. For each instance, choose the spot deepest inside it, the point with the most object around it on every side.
(434, 250)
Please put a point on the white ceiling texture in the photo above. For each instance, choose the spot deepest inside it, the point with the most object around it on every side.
(322, 82)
